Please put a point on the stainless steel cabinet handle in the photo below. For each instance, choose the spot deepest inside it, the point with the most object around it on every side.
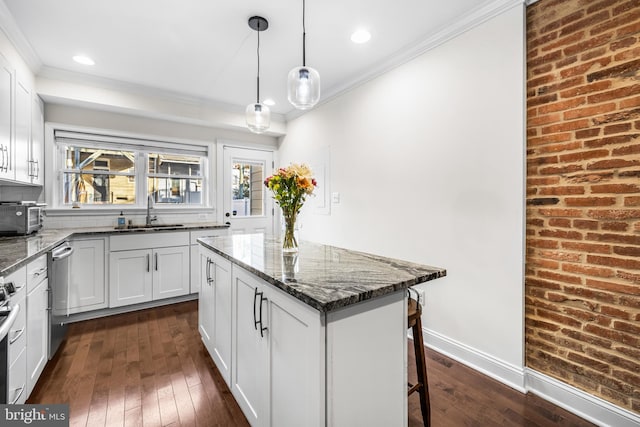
(19, 394)
(156, 261)
(17, 336)
(148, 262)
(37, 162)
(7, 165)
(2, 161)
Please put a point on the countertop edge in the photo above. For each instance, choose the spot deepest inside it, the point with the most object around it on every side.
(339, 303)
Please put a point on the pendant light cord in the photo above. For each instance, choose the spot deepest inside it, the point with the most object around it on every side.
(304, 36)
(258, 76)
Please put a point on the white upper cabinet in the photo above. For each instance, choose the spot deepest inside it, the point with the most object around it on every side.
(6, 122)
(36, 155)
(23, 131)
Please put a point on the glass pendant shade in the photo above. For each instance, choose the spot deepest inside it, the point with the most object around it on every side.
(303, 87)
(258, 117)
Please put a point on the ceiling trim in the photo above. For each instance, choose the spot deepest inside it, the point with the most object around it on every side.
(462, 25)
(25, 50)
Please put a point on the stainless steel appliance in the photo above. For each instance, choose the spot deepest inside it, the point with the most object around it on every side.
(58, 295)
(8, 315)
(20, 218)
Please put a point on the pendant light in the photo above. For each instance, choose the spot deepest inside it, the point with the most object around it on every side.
(303, 83)
(258, 115)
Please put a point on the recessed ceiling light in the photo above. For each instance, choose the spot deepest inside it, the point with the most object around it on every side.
(360, 36)
(84, 60)
(269, 102)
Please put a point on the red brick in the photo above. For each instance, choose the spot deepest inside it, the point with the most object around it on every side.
(561, 234)
(584, 155)
(561, 190)
(560, 222)
(559, 170)
(618, 128)
(589, 21)
(615, 188)
(581, 90)
(630, 277)
(614, 238)
(632, 201)
(621, 116)
(615, 94)
(566, 104)
(584, 67)
(612, 335)
(590, 177)
(627, 377)
(629, 29)
(589, 293)
(612, 164)
(543, 120)
(561, 256)
(622, 43)
(591, 363)
(554, 148)
(586, 338)
(562, 278)
(614, 213)
(595, 53)
(617, 21)
(566, 126)
(587, 247)
(549, 139)
(633, 251)
(626, 327)
(560, 212)
(544, 180)
(543, 99)
(627, 54)
(614, 226)
(540, 243)
(626, 151)
(614, 312)
(588, 270)
(614, 262)
(586, 224)
(559, 318)
(589, 201)
(545, 263)
(545, 59)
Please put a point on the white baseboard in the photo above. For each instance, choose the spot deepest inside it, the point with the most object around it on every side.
(585, 405)
(511, 375)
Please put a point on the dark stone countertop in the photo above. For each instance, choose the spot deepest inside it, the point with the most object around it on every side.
(324, 277)
(18, 250)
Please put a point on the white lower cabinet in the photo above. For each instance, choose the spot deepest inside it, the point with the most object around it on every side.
(148, 267)
(37, 320)
(277, 346)
(214, 310)
(87, 286)
(196, 278)
(17, 374)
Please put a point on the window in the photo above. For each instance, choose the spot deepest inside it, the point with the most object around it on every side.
(247, 189)
(100, 170)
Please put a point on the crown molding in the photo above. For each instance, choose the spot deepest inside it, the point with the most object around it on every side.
(25, 50)
(462, 25)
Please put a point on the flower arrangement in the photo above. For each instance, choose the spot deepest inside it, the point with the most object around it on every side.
(290, 187)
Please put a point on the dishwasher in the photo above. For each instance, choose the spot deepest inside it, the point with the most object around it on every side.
(58, 265)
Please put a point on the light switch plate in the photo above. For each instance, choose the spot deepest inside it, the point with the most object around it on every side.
(335, 198)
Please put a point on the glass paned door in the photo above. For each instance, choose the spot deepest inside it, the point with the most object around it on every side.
(248, 207)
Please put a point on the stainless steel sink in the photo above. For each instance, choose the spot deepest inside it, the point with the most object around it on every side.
(150, 226)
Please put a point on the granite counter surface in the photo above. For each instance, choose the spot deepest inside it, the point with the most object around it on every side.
(324, 277)
(16, 251)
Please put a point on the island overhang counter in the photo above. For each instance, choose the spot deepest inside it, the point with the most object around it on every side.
(316, 338)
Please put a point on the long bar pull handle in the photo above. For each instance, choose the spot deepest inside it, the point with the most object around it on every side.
(262, 328)
(148, 262)
(255, 297)
(156, 261)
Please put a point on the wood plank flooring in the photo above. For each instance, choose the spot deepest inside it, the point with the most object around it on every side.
(149, 368)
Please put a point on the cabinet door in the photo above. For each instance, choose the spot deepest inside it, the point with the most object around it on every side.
(87, 290)
(37, 333)
(130, 277)
(296, 362)
(23, 131)
(221, 286)
(6, 128)
(170, 272)
(36, 156)
(206, 301)
(249, 377)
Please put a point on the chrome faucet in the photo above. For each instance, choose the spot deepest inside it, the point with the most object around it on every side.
(150, 218)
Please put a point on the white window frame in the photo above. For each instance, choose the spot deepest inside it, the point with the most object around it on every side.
(142, 145)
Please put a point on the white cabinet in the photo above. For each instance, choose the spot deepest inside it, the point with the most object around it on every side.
(17, 374)
(87, 287)
(7, 76)
(37, 320)
(36, 154)
(196, 279)
(214, 310)
(148, 267)
(278, 369)
(22, 131)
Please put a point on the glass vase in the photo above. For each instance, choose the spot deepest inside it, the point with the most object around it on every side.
(289, 240)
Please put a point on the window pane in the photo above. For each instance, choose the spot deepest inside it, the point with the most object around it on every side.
(175, 190)
(173, 164)
(88, 159)
(247, 189)
(98, 189)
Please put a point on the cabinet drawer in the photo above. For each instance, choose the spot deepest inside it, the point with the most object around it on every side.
(36, 272)
(17, 381)
(195, 235)
(148, 240)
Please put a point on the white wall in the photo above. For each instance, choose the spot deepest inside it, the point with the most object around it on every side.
(429, 163)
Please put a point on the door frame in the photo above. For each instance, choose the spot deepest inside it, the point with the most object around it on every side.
(219, 186)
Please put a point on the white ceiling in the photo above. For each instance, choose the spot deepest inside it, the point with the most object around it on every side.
(204, 50)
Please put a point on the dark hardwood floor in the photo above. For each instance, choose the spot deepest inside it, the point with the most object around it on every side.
(149, 368)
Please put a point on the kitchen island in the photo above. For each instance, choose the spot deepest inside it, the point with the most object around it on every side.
(314, 338)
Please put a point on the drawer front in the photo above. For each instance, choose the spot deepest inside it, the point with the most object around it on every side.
(196, 234)
(17, 381)
(17, 334)
(36, 272)
(19, 280)
(148, 240)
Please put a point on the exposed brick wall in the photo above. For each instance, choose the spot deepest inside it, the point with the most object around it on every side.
(583, 195)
